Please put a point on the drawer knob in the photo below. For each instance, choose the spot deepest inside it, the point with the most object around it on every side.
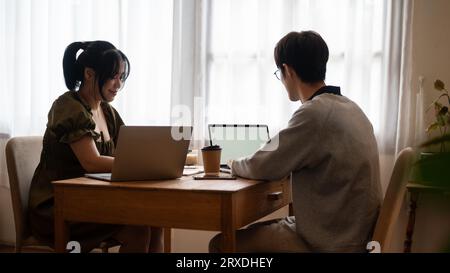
(275, 195)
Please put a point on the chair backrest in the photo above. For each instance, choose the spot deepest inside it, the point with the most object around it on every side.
(393, 198)
(22, 158)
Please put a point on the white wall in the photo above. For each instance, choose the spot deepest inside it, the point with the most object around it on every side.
(431, 45)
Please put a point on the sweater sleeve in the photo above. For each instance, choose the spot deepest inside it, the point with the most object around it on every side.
(293, 148)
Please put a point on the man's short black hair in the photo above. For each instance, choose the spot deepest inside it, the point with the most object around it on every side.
(306, 52)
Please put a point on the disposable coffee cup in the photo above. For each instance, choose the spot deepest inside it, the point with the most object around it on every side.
(211, 160)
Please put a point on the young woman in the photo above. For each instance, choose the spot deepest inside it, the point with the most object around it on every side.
(81, 133)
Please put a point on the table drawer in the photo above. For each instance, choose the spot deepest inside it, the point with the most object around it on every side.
(260, 200)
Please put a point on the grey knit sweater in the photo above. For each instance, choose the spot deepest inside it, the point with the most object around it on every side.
(330, 151)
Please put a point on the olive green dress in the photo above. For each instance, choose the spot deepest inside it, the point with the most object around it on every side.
(69, 119)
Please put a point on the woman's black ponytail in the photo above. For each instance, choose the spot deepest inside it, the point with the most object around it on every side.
(101, 56)
(73, 72)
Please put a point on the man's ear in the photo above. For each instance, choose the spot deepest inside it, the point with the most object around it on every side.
(89, 73)
(288, 70)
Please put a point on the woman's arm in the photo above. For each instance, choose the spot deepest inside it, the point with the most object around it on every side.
(89, 157)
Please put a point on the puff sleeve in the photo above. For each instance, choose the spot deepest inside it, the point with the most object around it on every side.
(69, 120)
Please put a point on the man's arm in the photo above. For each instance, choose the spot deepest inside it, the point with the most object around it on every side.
(293, 148)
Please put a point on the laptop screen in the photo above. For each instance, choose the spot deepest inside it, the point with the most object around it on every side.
(238, 140)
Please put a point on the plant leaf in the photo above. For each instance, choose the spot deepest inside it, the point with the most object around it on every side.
(439, 85)
(441, 120)
(432, 127)
(443, 111)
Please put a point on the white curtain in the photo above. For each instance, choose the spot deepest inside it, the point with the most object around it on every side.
(188, 104)
(242, 36)
(399, 104)
(410, 121)
(35, 33)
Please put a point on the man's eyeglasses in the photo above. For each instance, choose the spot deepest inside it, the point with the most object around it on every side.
(278, 74)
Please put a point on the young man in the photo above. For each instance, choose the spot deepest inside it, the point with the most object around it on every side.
(330, 152)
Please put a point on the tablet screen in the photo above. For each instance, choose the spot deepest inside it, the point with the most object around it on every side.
(238, 140)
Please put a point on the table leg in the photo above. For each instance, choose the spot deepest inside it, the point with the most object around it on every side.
(411, 221)
(228, 223)
(229, 240)
(61, 226)
(61, 233)
(167, 240)
(291, 209)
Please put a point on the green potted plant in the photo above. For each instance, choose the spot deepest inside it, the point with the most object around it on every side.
(433, 168)
(441, 113)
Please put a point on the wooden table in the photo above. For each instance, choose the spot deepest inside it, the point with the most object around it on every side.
(215, 205)
(414, 191)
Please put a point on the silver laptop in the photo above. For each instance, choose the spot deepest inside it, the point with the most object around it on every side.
(148, 153)
(237, 140)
